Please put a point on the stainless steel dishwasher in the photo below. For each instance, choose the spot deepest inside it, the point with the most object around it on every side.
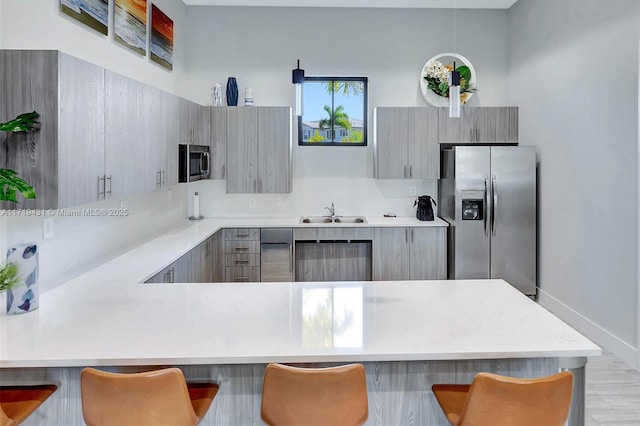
(276, 254)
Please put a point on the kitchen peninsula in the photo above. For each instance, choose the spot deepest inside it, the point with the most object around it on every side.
(409, 334)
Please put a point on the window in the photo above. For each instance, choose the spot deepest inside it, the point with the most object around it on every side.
(334, 112)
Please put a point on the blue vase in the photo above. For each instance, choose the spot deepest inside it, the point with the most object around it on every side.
(232, 92)
(24, 297)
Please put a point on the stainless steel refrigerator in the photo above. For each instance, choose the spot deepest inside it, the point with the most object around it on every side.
(488, 195)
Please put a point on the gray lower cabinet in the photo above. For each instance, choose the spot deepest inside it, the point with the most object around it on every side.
(479, 125)
(179, 271)
(59, 160)
(333, 253)
(417, 253)
(406, 143)
(333, 261)
(241, 254)
(258, 150)
(202, 264)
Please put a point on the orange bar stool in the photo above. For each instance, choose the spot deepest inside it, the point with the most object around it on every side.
(314, 396)
(497, 400)
(153, 398)
(19, 402)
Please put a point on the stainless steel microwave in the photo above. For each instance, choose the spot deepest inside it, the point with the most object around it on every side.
(193, 162)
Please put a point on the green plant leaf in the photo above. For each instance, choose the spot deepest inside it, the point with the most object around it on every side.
(22, 123)
(9, 276)
(465, 72)
(10, 183)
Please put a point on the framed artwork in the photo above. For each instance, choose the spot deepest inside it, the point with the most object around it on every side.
(92, 13)
(130, 22)
(161, 38)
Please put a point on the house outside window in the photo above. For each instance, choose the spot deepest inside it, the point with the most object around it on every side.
(334, 112)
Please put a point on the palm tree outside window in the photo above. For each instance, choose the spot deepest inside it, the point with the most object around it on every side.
(335, 112)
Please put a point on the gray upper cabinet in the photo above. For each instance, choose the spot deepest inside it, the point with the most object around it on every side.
(195, 123)
(258, 150)
(125, 170)
(479, 125)
(169, 124)
(149, 138)
(416, 253)
(406, 143)
(81, 123)
(60, 160)
(218, 140)
(274, 150)
(242, 150)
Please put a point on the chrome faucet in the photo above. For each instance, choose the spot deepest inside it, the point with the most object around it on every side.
(332, 211)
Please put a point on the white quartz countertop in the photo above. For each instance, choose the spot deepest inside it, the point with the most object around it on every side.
(105, 316)
(96, 320)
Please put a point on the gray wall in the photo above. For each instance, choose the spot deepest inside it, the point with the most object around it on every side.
(573, 71)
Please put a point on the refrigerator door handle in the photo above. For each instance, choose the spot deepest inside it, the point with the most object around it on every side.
(486, 203)
(494, 191)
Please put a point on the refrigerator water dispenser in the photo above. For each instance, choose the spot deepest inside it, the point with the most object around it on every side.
(472, 205)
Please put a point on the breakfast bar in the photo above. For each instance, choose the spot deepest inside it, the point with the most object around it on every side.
(408, 334)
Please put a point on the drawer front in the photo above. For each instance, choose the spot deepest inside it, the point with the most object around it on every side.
(241, 274)
(233, 234)
(241, 259)
(332, 234)
(242, 247)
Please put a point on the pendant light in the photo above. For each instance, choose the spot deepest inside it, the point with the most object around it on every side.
(454, 93)
(297, 77)
(454, 76)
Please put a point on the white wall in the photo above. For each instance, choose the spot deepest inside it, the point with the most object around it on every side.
(39, 24)
(260, 46)
(572, 68)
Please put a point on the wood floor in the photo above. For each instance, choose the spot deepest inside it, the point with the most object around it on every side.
(612, 392)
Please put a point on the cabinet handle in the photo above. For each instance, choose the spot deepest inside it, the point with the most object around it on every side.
(412, 236)
(242, 235)
(162, 177)
(406, 235)
(100, 192)
(158, 179)
(206, 249)
(241, 279)
(108, 178)
(477, 135)
(242, 248)
(241, 261)
(291, 258)
(410, 171)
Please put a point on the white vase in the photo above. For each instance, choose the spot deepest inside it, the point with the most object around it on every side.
(24, 297)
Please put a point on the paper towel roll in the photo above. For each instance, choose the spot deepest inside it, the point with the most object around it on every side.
(248, 96)
(196, 205)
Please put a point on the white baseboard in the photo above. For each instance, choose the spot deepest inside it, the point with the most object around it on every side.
(590, 329)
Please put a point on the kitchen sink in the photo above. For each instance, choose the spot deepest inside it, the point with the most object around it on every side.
(337, 219)
(350, 219)
(315, 219)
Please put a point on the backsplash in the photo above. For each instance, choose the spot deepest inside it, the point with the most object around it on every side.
(351, 196)
(81, 241)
